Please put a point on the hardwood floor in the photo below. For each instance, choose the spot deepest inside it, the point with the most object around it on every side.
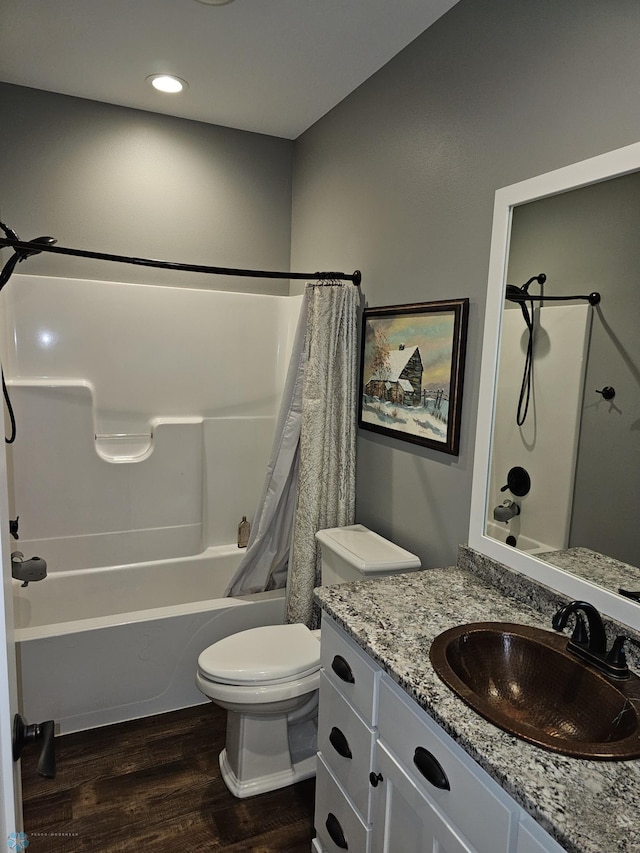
(154, 785)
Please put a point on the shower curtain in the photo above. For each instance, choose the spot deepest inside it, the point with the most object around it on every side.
(310, 480)
(326, 481)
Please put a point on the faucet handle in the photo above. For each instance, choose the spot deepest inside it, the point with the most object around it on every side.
(629, 594)
(617, 655)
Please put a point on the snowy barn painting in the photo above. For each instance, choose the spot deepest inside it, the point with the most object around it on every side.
(411, 372)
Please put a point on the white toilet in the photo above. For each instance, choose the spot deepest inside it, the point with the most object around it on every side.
(267, 678)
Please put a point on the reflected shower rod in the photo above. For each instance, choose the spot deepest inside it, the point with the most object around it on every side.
(591, 298)
(512, 293)
(25, 248)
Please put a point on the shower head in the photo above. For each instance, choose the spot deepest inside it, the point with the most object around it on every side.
(37, 241)
(19, 254)
(519, 294)
(10, 234)
(513, 293)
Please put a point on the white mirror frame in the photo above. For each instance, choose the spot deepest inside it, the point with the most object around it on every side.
(601, 168)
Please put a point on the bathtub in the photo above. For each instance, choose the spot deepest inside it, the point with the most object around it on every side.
(104, 645)
(523, 543)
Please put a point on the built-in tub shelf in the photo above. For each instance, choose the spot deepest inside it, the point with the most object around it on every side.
(123, 446)
(119, 447)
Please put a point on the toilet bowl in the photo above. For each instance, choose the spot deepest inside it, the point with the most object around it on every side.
(267, 678)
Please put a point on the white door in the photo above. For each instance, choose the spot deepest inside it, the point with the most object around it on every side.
(10, 787)
(406, 820)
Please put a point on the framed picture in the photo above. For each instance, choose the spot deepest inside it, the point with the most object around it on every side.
(411, 372)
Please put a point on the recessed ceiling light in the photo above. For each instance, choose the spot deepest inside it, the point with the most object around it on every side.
(215, 2)
(167, 83)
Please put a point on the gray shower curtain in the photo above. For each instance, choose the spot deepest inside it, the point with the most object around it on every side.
(326, 482)
(310, 481)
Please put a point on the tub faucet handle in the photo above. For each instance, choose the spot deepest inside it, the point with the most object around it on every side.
(24, 734)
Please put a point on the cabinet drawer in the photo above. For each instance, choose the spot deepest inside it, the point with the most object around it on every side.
(346, 743)
(338, 825)
(474, 802)
(349, 669)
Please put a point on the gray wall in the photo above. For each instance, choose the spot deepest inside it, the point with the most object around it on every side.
(123, 181)
(399, 181)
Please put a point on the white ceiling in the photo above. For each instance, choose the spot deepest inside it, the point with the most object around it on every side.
(268, 66)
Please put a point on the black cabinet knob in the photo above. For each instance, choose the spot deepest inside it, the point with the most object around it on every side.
(375, 779)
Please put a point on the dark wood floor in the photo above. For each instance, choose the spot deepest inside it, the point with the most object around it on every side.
(154, 785)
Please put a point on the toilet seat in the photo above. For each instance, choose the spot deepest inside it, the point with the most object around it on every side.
(254, 696)
(272, 654)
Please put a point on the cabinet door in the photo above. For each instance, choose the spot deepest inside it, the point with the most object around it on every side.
(533, 839)
(405, 820)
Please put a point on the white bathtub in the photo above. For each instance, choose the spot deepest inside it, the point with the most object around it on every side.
(100, 646)
(523, 543)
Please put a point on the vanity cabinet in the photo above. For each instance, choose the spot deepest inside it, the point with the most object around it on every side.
(390, 780)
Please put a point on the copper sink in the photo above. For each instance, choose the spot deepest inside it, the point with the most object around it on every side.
(524, 681)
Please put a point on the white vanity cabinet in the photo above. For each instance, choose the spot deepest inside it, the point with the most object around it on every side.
(390, 780)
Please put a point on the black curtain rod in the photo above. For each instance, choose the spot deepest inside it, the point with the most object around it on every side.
(591, 298)
(521, 294)
(27, 248)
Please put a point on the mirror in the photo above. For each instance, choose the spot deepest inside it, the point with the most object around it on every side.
(576, 225)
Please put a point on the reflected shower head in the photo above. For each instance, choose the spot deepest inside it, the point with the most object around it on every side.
(513, 293)
(519, 294)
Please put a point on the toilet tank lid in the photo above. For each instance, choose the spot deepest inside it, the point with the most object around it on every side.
(366, 550)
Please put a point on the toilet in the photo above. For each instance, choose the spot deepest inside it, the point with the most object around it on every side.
(267, 678)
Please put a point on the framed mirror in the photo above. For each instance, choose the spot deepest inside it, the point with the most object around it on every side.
(576, 227)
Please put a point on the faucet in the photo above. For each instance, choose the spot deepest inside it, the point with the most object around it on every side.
(506, 511)
(591, 644)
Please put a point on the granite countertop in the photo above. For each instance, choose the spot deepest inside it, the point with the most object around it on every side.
(587, 806)
(597, 568)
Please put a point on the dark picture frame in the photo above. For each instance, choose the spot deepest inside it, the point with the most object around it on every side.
(412, 371)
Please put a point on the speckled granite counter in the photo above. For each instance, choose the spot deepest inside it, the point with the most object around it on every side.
(597, 568)
(587, 806)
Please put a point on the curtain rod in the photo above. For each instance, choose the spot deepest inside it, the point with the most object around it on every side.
(27, 248)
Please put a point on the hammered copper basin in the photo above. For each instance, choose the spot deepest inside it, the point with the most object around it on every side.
(523, 680)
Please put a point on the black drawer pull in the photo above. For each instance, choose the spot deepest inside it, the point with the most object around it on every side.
(375, 779)
(431, 768)
(342, 669)
(335, 831)
(339, 742)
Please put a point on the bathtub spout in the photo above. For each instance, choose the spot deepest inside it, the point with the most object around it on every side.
(506, 511)
(23, 570)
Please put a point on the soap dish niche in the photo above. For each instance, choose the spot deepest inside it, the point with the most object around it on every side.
(124, 447)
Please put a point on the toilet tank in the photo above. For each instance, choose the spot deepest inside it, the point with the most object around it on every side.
(356, 553)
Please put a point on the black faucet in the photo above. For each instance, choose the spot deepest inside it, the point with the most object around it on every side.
(591, 645)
